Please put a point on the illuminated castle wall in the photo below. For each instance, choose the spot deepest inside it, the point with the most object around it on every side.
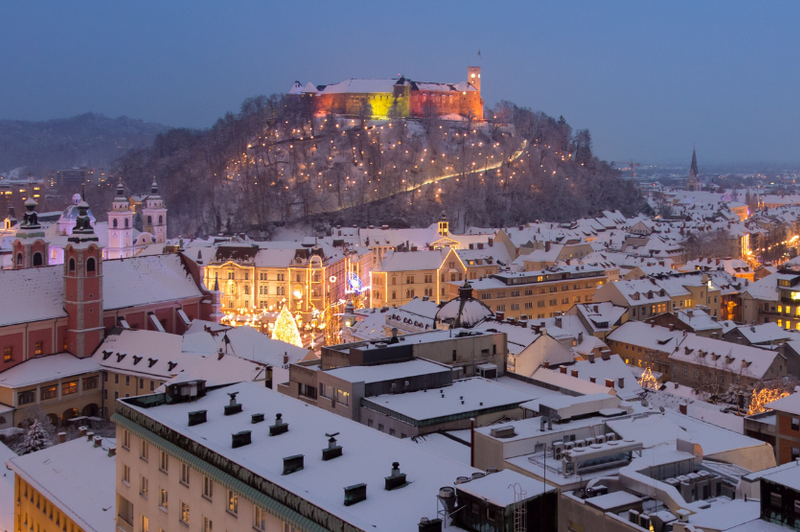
(408, 98)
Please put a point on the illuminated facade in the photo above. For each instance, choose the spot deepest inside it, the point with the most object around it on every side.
(404, 275)
(401, 97)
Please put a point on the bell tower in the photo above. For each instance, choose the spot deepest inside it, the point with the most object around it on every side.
(154, 215)
(120, 226)
(30, 247)
(474, 77)
(83, 286)
(444, 225)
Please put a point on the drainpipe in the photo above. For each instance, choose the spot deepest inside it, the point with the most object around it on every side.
(472, 442)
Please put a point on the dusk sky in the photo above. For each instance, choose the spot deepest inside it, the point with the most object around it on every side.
(649, 79)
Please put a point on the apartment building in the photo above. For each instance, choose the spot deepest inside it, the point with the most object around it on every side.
(773, 299)
(787, 428)
(536, 294)
(403, 275)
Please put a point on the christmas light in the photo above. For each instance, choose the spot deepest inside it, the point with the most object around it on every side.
(761, 398)
(648, 380)
(285, 329)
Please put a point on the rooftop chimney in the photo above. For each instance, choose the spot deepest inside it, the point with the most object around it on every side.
(396, 479)
(609, 383)
(279, 427)
(62, 437)
(563, 369)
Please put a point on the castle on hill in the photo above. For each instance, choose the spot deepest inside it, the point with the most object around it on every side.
(401, 97)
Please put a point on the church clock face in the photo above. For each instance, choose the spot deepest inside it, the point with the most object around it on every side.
(114, 234)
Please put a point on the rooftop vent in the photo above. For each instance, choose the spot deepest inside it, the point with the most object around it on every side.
(240, 439)
(107, 354)
(292, 464)
(151, 362)
(503, 432)
(430, 525)
(355, 493)
(171, 365)
(136, 359)
(396, 479)
(333, 450)
(197, 417)
(120, 356)
(279, 427)
(233, 407)
(256, 418)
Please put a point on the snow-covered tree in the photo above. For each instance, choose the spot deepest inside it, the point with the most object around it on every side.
(35, 440)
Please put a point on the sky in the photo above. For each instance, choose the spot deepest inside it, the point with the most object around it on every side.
(649, 79)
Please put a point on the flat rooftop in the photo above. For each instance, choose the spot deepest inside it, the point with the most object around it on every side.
(387, 372)
(367, 455)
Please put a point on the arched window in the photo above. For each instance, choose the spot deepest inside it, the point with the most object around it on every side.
(72, 265)
(37, 259)
(19, 259)
(149, 220)
(394, 295)
(126, 223)
(90, 264)
(160, 220)
(408, 293)
(394, 281)
(114, 223)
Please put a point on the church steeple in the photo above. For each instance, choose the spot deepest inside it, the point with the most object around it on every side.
(83, 286)
(30, 247)
(693, 181)
(120, 226)
(155, 215)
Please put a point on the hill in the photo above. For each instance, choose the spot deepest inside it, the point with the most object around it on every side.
(274, 162)
(84, 140)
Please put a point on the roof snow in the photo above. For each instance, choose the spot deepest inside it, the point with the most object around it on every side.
(387, 372)
(47, 368)
(146, 280)
(790, 404)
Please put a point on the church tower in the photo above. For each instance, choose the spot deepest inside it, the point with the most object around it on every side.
(155, 215)
(120, 226)
(474, 77)
(30, 247)
(83, 286)
(444, 225)
(692, 181)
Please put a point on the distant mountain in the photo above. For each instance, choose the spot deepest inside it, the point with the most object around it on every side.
(85, 140)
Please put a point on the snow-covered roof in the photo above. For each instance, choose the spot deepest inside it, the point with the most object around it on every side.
(763, 333)
(31, 294)
(789, 404)
(647, 335)
(359, 86)
(145, 353)
(614, 369)
(77, 477)
(400, 261)
(145, 281)
(711, 353)
(568, 382)
(367, 458)
(387, 372)
(496, 487)
(47, 368)
(6, 492)
(463, 396)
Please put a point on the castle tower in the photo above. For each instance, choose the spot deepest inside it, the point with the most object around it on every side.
(474, 77)
(154, 215)
(692, 181)
(30, 247)
(83, 286)
(120, 226)
(444, 225)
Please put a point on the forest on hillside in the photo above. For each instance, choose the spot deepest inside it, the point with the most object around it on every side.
(275, 162)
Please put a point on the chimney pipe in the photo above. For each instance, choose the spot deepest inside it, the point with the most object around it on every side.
(682, 408)
(563, 369)
(609, 383)
(574, 373)
(621, 382)
(62, 437)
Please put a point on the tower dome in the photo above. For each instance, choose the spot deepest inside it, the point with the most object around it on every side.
(462, 312)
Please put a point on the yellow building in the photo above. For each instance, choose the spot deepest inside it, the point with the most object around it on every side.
(61, 386)
(68, 487)
(403, 275)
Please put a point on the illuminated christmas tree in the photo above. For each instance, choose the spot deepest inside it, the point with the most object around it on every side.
(286, 329)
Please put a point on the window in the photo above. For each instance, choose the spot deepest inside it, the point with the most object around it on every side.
(145, 524)
(144, 450)
(207, 525)
(8, 352)
(126, 474)
(529, 305)
(163, 501)
(685, 370)
(233, 503)
(795, 423)
(50, 392)
(514, 306)
(127, 380)
(144, 487)
(26, 397)
(163, 462)
(185, 474)
(501, 308)
(72, 265)
(126, 439)
(184, 513)
(259, 519)
(89, 383)
(68, 388)
(343, 397)
(90, 264)
(38, 348)
(775, 500)
(208, 487)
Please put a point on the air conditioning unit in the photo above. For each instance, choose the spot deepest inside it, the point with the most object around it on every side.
(569, 446)
(558, 450)
(611, 436)
(601, 439)
(590, 441)
(580, 443)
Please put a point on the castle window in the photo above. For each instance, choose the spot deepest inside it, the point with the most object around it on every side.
(37, 259)
(72, 265)
(90, 264)
(114, 223)
(19, 259)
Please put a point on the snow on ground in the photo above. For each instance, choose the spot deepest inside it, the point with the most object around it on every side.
(443, 446)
